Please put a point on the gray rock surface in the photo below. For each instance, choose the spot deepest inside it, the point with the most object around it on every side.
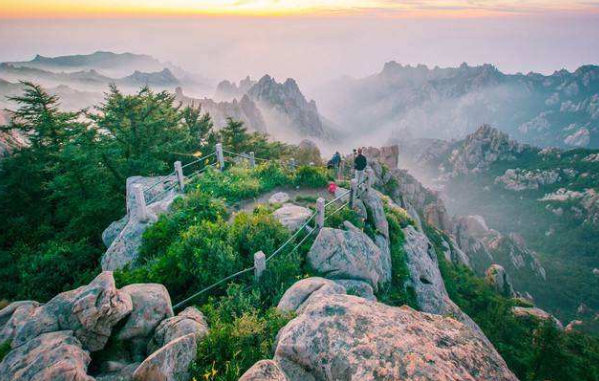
(124, 235)
(151, 305)
(376, 211)
(303, 290)
(13, 316)
(264, 370)
(190, 320)
(169, 363)
(7, 312)
(536, 313)
(55, 356)
(357, 288)
(339, 254)
(500, 280)
(123, 374)
(292, 216)
(278, 198)
(343, 337)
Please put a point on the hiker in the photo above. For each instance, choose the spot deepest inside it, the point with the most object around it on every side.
(360, 163)
(335, 161)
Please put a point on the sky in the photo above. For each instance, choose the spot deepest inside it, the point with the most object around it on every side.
(312, 41)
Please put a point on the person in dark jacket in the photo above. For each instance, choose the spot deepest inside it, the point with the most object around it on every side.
(335, 161)
(360, 164)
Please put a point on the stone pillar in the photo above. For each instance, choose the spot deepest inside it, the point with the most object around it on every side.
(353, 193)
(320, 212)
(252, 160)
(180, 177)
(220, 156)
(259, 264)
(140, 200)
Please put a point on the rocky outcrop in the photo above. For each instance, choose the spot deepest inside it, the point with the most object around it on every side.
(357, 288)
(151, 305)
(386, 155)
(500, 281)
(123, 237)
(583, 205)
(226, 90)
(519, 180)
(302, 291)
(343, 337)
(339, 254)
(536, 313)
(292, 216)
(190, 320)
(169, 363)
(90, 312)
(265, 370)
(453, 254)
(13, 316)
(56, 356)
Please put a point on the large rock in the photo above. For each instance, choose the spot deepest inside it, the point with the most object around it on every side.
(55, 356)
(376, 211)
(426, 279)
(13, 316)
(536, 313)
(151, 305)
(125, 373)
(357, 288)
(292, 216)
(500, 280)
(124, 236)
(89, 311)
(169, 363)
(190, 320)
(278, 198)
(339, 254)
(301, 291)
(343, 337)
(264, 370)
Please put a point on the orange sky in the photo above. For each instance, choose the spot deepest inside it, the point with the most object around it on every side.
(399, 8)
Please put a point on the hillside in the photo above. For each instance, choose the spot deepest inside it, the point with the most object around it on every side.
(548, 196)
(561, 109)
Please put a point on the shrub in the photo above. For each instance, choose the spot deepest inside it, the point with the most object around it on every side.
(4, 349)
(311, 177)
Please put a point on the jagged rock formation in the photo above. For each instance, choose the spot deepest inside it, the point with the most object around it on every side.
(243, 109)
(386, 155)
(342, 337)
(302, 291)
(536, 313)
(285, 104)
(53, 341)
(560, 109)
(227, 91)
(519, 180)
(123, 237)
(500, 280)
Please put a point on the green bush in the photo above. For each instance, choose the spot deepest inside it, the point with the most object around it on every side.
(4, 349)
(311, 177)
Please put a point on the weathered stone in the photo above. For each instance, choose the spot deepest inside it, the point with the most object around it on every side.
(13, 316)
(55, 356)
(339, 254)
(436, 215)
(292, 216)
(190, 320)
(151, 305)
(301, 291)
(343, 337)
(264, 370)
(500, 280)
(169, 363)
(453, 254)
(376, 211)
(357, 288)
(278, 198)
(125, 235)
(89, 311)
(536, 313)
(573, 324)
(426, 279)
(125, 373)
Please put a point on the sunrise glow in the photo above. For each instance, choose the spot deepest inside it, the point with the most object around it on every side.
(66, 8)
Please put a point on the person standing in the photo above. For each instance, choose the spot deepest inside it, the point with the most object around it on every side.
(360, 163)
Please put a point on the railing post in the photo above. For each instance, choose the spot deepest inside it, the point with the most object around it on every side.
(340, 170)
(140, 200)
(220, 157)
(252, 160)
(320, 212)
(259, 264)
(180, 177)
(353, 193)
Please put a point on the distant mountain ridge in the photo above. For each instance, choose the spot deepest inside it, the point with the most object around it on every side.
(561, 109)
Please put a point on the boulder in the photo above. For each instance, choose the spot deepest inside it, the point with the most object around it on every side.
(55, 356)
(301, 291)
(125, 235)
(436, 215)
(292, 216)
(426, 279)
(536, 313)
(357, 288)
(125, 373)
(376, 211)
(169, 363)
(573, 324)
(453, 254)
(13, 316)
(278, 198)
(339, 254)
(264, 370)
(151, 305)
(343, 337)
(190, 320)
(500, 280)
(89, 311)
